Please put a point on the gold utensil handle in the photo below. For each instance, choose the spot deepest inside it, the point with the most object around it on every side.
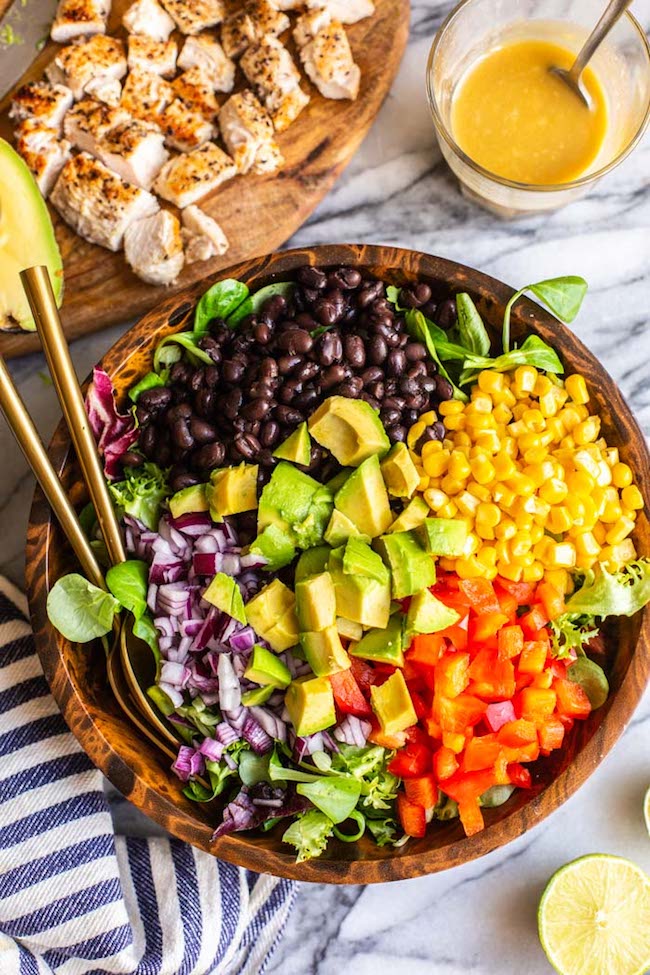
(36, 282)
(21, 425)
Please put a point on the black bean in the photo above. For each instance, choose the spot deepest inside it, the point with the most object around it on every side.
(291, 389)
(201, 431)
(211, 376)
(327, 312)
(409, 416)
(307, 371)
(132, 459)
(332, 376)
(395, 363)
(262, 389)
(389, 417)
(306, 321)
(210, 345)
(252, 426)
(429, 310)
(329, 348)
(377, 390)
(351, 387)
(394, 402)
(178, 482)
(297, 341)
(275, 307)
(263, 333)
(310, 295)
(285, 414)
(377, 350)
(397, 434)
(182, 411)
(247, 445)
(414, 351)
(408, 387)
(232, 403)
(197, 380)
(142, 416)
(305, 400)
(417, 402)
(203, 402)
(211, 455)
(444, 389)
(369, 292)
(415, 295)
(265, 459)
(268, 368)
(181, 435)
(371, 375)
(370, 400)
(312, 277)
(269, 433)
(446, 314)
(435, 431)
(347, 278)
(354, 351)
(256, 409)
(427, 384)
(155, 399)
(180, 373)
(287, 363)
(232, 370)
(383, 325)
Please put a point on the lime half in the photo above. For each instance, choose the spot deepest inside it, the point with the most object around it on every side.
(646, 810)
(594, 917)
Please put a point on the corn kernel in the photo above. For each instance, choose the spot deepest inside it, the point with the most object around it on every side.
(586, 431)
(536, 455)
(558, 578)
(611, 456)
(451, 485)
(520, 544)
(559, 519)
(471, 544)
(479, 491)
(611, 512)
(552, 401)
(488, 514)
(554, 491)
(534, 420)
(542, 550)
(605, 474)
(580, 483)
(447, 565)
(450, 407)
(533, 573)
(584, 461)
(525, 379)
(619, 531)
(487, 555)
(470, 568)
(482, 470)
(586, 544)
(502, 413)
(489, 440)
(570, 417)
(562, 555)
(537, 507)
(449, 510)
(506, 529)
(623, 552)
(536, 532)
(462, 439)
(541, 472)
(599, 531)
(435, 498)
(415, 433)
(543, 385)
(503, 496)
(632, 497)
(485, 532)
(490, 381)
(467, 503)
(435, 463)
(459, 468)
(517, 428)
(521, 484)
(576, 387)
(480, 403)
(555, 427)
(504, 466)
(621, 475)
(429, 417)
(454, 421)
(512, 572)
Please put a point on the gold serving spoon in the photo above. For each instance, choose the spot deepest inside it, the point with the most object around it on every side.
(38, 289)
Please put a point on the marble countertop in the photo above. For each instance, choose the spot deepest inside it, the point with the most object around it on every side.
(480, 918)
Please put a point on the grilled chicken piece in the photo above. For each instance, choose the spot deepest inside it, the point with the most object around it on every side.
(193, 16)
(147, 18)
(184, 129)
(96, 203)
(89, 121)
(195, 89)
(345, 11)
(87, 59)
(146, 54)
(146, 95)
(185, 179)
(270, 68)
(42, 101)
(107, 90)
(153, 247)
(247, 132)
(43, 151)
(135, 151)
(256, 19)
(202, 236)
(328, 62)
(309, 24)
(288, 4)
(204, 52)
(79, 18)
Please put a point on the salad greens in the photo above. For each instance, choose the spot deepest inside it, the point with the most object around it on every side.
(309, 834)
(150, 381)
(141, 493)
(128, 583)
(219, 301)
(562, 295)
(79, 610)
(605, 593)
(218, 774)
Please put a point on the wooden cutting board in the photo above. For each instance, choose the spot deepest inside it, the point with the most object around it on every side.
(258, 213)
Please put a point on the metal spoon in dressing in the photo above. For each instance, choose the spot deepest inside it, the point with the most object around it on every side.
(571, 77)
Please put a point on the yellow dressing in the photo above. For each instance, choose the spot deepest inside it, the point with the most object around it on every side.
(514, 118)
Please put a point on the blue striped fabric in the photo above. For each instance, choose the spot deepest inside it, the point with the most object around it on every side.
(75, 899)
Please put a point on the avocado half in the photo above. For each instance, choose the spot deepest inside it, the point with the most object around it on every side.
(26, 239)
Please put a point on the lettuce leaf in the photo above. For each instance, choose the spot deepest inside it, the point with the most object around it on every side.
(621, 593)
(79, 610)
(309, 834)
(570, 632)
(141, 493)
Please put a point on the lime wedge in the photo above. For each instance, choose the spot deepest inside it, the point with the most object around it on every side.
(646, 809)
(594, 917)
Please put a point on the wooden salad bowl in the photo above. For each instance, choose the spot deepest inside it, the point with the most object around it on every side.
(77, 674)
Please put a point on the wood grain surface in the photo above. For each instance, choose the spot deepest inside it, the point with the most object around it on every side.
(77, 675)
(258, 213)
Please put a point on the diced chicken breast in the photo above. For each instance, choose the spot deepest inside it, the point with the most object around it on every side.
(135, 151)
(328, 62)
(107, 90)
(289, 108)
(345, 11)
(44, 153)
(146, 54)
(309, 24)
(85, 60)
(146, 95)
(204, 52)
(270, 69)
(202, 236)
(42, 101)
(256, 19)
(184, 129)
(193, 16)
(187, 178)
(247, 132)
(79, 18)
(96, 203)
(195, 89)
(153, 247)
(89, 121)
(147, 17)
(288, 4)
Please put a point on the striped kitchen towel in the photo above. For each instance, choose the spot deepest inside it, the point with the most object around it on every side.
(74, 897)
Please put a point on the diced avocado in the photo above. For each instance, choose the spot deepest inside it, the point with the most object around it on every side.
(296, 448)
(385, 645)
(348, 629)
(310, 703)
(324, 651)
(412, 569)
(413, 515)
(364, 499)
(443, 536)
(297, 504)
(259, 695)
(399, 473)
(188, 500)
(316, 602)
(426, 614)
(360, 560)
(392, 704)
(265, 668)
(26, 239)
(350, 429)
(339, 479)
(311, 562)
(276, 546)
(359, 598)
(272, 614)
(224, 593)
(340, 528)
(232, 490)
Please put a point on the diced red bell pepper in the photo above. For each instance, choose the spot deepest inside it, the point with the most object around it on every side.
(535, 619)
(411, 816)
(550, 734)
(533, 657)
(498, 714)
(507, 602)
(519, 776)
(480, 753)
(445, 764)
(412, 760)
(347, 694)
(379, 737)
(510, 641)
(457, 635)
(363, 673)
(451, 677)
(524, 753)
(522, 591)
(558, 668)
(481, 595)
(471, 816)
(551, 599)
(454, 741)
(493, 678)
(422, 790)
(571, 699)
(425, 649)
(465, 786)
(485, 626)
(537, 703)
(517, 733)
(543, 680)
(459, 713)
(419, 704)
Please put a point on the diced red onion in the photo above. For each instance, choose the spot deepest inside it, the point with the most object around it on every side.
(172, 693)
(230, 761)
(225, 734)
(211, 749)
(253, 561)
(243, 639)
(231, 564)
(194, 523)
(353, 731)
(256, 736)
(236, 718)
(207, 563)
(229, 686)
(498, 714)
(175, 674)
(183, 763)
(273, 726)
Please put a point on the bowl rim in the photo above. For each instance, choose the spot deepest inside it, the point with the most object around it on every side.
(241, 849)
